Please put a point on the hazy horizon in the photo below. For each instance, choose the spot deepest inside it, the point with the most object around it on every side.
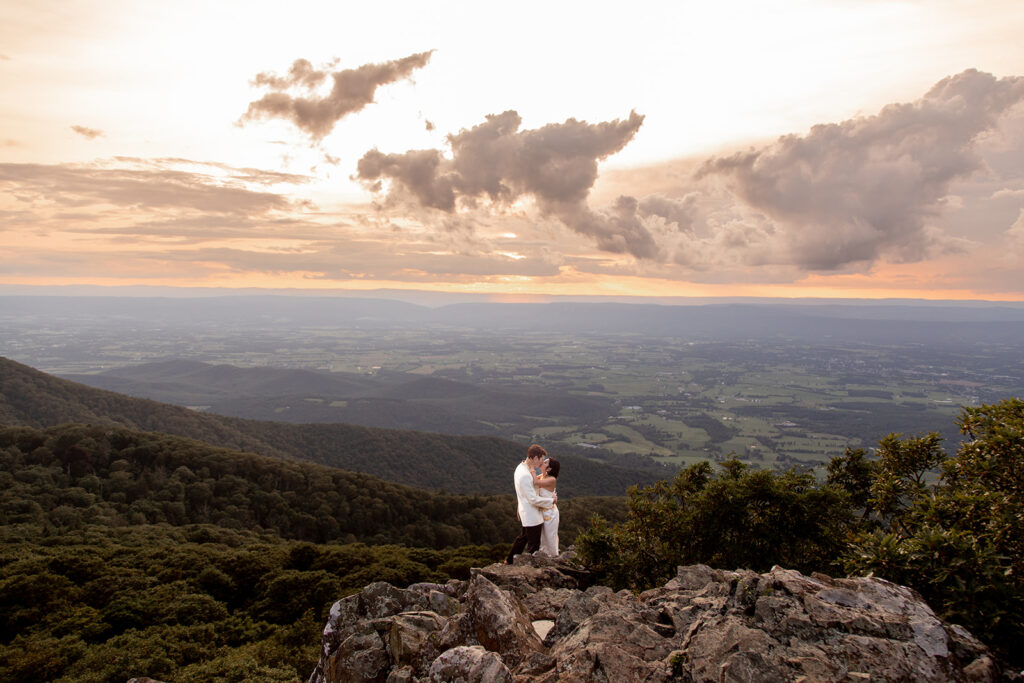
(440, 298)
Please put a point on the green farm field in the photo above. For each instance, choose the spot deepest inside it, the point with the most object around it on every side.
(614, 396)
(679, 402)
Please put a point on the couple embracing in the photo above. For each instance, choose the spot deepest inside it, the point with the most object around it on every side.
(535, 480)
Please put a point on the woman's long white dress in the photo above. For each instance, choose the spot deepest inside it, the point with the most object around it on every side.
(549, 534)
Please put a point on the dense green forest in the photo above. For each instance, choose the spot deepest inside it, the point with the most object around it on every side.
(458, 464)
(134, 553)
(191, 603)
(66, 477)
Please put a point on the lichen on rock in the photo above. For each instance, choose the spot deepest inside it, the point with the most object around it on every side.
(703, 625)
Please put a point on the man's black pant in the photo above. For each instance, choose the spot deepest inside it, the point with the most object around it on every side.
(528, 540)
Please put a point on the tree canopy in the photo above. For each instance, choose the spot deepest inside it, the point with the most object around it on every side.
(63, 478)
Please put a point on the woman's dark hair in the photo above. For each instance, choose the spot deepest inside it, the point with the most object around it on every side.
(555, 467)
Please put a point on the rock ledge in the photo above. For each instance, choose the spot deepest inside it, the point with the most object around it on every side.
(703, 625)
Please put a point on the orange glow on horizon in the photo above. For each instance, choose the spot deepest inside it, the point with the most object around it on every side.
(540, 290)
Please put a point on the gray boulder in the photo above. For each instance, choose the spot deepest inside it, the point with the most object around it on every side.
(703, 625)
(469, 664)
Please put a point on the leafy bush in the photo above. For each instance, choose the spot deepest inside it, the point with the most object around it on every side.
(736, 517)
(959, 542)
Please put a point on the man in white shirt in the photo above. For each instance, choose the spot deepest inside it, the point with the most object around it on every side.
(530, 505)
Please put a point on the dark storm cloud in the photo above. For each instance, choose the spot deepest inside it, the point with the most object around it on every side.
(866, 188)
(351, 91)
(555, 165)
(90, 133)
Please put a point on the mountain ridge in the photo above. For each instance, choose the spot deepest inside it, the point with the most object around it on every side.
(458, 464)
(386, 399)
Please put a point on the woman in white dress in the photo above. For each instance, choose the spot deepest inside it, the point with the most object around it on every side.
(545, 485)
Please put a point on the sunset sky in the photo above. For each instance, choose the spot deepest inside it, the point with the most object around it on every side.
(849, 148)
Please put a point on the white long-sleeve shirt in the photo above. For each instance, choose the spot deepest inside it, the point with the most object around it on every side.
(530, 504)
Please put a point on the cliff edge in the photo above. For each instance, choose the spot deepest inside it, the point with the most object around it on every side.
(541, 621)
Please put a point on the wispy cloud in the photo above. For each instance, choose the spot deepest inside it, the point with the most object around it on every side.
(91, 133)
(148, 188)
(178, 218)
(352, 90)
(215, 171)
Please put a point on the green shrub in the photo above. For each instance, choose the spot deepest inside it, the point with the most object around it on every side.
(733, 518)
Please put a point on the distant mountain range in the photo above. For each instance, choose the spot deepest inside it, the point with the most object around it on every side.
(458, 464)
(817, 320)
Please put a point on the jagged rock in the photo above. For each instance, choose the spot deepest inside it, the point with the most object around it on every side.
(547, 603)
(535, 664)
(351, 640)
(577, 608)
(404, 674)
(525, 577)
(612, 645)
(441, 598)
(414, 639)
(703, 625)
(359, 657)
(469, 664)
(500, 622)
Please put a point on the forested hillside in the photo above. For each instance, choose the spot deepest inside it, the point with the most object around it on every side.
(127, 553)
(198, 603)
(458, 464)
(63, 478)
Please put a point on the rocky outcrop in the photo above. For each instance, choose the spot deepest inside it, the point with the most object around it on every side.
(703, 625)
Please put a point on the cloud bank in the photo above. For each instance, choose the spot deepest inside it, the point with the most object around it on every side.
(496, 163)
(351, 91)
(844, 197)
(501, 205)
(867, 188)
